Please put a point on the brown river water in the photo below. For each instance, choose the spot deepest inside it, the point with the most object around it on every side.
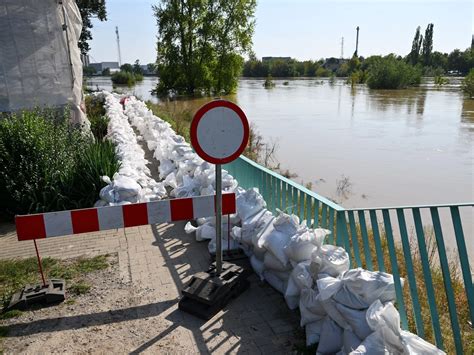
(391, 147)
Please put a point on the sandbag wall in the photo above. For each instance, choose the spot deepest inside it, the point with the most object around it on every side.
(344, 311)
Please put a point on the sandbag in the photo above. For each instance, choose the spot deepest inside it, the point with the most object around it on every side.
(329, 259)
(271, 262)
(331, 337)
(300, 278)
(254, 224)
(302, 245)
(350, 341)
(372, 345)
(249, 203)
(415, 345)
(356, 320)
(310, 299)
(125, 186)
(257, 266)
(313, 330)
(307, 316)
(275, 281)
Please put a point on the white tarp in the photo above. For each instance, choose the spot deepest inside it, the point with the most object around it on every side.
(40, 63)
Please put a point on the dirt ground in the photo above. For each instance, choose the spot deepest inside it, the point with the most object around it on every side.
(110, 318)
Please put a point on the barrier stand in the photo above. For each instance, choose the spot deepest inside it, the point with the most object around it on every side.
(50, 291)
(219, 134)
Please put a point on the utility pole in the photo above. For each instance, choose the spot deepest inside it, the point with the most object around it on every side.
(118, 47)
(357, 42)
(342, 48)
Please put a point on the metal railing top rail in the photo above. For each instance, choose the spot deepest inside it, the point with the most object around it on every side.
(322, 199)
(442, 205)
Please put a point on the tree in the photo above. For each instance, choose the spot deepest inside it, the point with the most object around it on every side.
(415, 47)
(89, 71)
(201, 43)
(468, 84)
(427, 45)
(89, 9)
(137, 69)
(126, 67)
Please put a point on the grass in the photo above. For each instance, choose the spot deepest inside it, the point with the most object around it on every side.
(14, 274)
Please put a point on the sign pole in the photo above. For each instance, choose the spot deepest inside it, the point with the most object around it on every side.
(218, 219)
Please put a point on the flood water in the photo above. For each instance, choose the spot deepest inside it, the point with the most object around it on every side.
(390, 147)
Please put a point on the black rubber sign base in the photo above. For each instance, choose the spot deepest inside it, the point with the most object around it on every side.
(207, 293)
(53, 292)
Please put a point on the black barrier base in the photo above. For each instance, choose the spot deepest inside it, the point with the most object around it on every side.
(207, 293)
(53, 292)
(230, 255)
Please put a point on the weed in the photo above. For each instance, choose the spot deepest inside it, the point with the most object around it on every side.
(14, 313)
(79, 288)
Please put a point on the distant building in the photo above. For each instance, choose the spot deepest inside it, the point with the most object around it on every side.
(267, 59)
(104, 65)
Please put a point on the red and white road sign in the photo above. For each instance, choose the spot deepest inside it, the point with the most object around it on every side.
(219, 132)
(53, 224)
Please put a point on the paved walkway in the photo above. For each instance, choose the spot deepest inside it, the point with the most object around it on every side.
(163, 258)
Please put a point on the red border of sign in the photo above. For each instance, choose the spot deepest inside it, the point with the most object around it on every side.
(197, 118)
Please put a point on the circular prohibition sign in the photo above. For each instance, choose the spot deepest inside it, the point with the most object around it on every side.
(219, 132)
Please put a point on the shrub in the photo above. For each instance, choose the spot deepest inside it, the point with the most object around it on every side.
(390, 73)
(126, 78)
(48, 165)
(97, 118)
(268, 82)
(123, 78)
(468, 84)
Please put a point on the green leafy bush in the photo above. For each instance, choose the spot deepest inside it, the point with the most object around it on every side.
(97, 117)
(390, 73)
(48, 165)
(126, 78)
(468, 84)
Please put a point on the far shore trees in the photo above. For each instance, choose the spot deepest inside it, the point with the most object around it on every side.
(201, 43)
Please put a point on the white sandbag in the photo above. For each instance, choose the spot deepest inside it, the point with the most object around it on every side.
(329, 259)
(271, 262)
(327, 285)
(101, 203)
(349, 299)
(287, 224)
(258, 239)
(331, 337)
(350, 341)
(300, 278)
(302, 245)
(310, 299)
(307, 316)
(107, 193)
(313, 331)
(125, 186)
(329, 306)
(226, 245)
(249, 203)
(257, 266)
(368, 286)
(170, 180)
(372, 345)
(414, 345)
(356, 320)
(275, 242)
(254, 224)
(275, 281)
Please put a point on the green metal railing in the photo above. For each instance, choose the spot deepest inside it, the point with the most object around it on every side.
(371, 236)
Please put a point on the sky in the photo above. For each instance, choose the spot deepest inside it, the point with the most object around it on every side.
(303, 29)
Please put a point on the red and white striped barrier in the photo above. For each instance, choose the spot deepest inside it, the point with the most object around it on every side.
(53, 224)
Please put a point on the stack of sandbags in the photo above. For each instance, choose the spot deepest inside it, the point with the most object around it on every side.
(132, 183)
(181, 170)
